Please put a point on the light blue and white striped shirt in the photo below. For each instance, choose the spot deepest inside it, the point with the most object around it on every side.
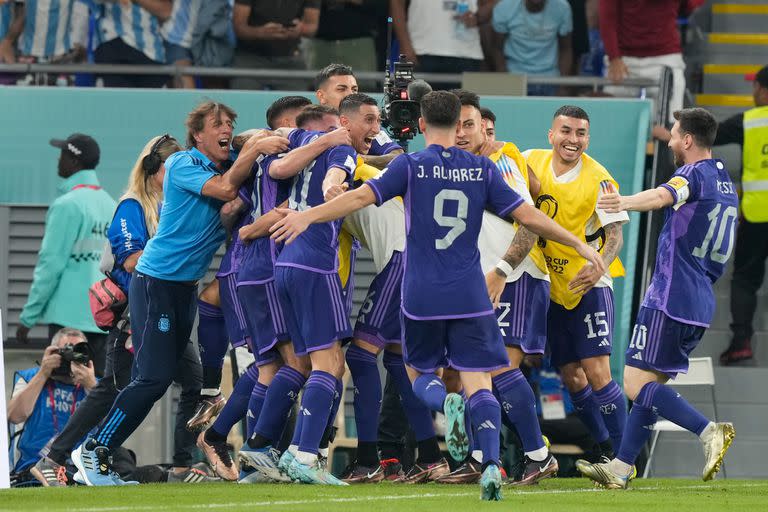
(47, 26)
(136, 26)
(180, 27)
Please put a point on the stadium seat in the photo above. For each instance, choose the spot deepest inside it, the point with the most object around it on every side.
(700, 373)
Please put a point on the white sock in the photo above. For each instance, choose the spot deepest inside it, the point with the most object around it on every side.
(294, 449)
(538, 455)
(619, 467)
(306, 458)
(708, 432)
(210, 391)
(323, 452)
(477, 455)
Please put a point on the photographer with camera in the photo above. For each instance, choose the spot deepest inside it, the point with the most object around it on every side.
(45, 397)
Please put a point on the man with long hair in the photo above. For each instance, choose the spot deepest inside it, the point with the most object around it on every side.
(162, 294)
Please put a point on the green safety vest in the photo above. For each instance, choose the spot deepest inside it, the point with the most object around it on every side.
(754, 180)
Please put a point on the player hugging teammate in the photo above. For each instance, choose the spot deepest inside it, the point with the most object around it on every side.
(484, 255)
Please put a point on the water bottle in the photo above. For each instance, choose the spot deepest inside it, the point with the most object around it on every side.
(461, 30)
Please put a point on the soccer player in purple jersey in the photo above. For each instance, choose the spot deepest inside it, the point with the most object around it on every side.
(306, 279)
(700, 208)
(334, 83)
(244, 400)
(221, 320)
(447, 317)
(518, 285)
(281, 373)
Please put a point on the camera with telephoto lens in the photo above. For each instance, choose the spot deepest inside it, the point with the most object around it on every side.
(77, 353)
(400, 114)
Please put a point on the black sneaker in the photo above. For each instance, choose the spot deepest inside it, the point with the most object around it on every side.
(467, 473)
(538, 470)
(50, 473)
(356, 473)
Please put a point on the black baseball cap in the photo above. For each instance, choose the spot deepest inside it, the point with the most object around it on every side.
(82, 147)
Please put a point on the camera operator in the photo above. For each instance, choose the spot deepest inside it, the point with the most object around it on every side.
(45, 397)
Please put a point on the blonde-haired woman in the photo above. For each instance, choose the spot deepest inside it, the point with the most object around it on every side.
(134, 223)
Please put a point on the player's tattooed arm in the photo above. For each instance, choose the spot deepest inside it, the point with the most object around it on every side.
(614, 240)
(496, 279)
(588, 276)
(521, 245)
(381, 161)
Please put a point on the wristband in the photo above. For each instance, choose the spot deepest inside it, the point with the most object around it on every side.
(505, 268)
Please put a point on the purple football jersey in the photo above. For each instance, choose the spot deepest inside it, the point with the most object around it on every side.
(258, 259)
(445, 191)
(695, 242)
(230, 262)
(316, 249)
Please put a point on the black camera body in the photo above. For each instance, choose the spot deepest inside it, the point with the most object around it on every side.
(400, 115)
(77, 353)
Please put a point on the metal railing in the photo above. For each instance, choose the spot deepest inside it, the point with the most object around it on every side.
(364, 76)
(660, 170)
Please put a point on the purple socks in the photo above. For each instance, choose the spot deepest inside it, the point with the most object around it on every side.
(365, 375)
(519, 404)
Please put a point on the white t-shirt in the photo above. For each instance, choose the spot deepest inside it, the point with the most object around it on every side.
(381, 230)
(599, 217)
(433, 30)
(496, 234)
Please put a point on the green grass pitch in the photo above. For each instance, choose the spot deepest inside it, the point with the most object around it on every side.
(571, 495)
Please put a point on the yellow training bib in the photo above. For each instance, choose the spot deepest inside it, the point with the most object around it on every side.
(571, 205)
(363, 172)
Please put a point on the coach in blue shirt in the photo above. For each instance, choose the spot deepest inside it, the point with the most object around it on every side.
(162, 296)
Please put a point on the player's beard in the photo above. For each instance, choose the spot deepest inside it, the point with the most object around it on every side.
(679, 159)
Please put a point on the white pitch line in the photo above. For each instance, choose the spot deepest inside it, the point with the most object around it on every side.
(510, 492)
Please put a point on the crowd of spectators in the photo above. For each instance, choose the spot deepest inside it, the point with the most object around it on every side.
(535, 37)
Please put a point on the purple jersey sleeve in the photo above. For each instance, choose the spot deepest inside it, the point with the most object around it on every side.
(684, 185)
(343, 157)
(246, 189)
(383, 145)
(501, 198)
(296, 138)
(391, 182)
